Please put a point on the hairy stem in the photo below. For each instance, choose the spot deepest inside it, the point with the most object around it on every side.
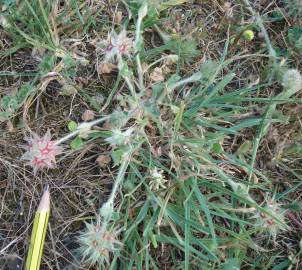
(84, 125)
(138, 41)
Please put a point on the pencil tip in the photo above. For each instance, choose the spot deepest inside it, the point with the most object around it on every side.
(44, 202)
(46, 188)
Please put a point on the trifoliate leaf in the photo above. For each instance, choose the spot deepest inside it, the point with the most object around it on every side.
(72, 126)
(76, 143)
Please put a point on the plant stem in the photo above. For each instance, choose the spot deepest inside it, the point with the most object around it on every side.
(109, 205)
(271, 107)
(259, 21)
(138, 41)
(118, 180)
(84, 125)
(159, 60)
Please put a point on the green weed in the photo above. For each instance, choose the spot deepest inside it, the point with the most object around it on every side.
(188, 192)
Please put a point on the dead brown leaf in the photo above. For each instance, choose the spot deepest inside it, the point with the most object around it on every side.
(157, 75)
(105, 68)
(103, 160)
(118, 17)
(88, 115)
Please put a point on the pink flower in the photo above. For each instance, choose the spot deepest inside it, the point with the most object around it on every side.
(116, 46)
(41, 152)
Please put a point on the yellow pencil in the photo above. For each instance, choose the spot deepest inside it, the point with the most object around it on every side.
(38, 233)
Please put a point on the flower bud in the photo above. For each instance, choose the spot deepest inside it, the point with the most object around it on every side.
(248, 35)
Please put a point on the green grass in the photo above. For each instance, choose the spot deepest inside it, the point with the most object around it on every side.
(189, 188)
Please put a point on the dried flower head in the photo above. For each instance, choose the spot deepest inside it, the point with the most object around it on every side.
(116, 46)
(272, 220)
(157, 179)
(41, 152)
(292, 80)
(97, 243)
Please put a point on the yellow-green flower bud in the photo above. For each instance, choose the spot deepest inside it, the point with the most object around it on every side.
(248, 35)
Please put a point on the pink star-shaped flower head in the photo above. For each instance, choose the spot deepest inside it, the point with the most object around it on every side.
(116, 46)
(41, 151)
